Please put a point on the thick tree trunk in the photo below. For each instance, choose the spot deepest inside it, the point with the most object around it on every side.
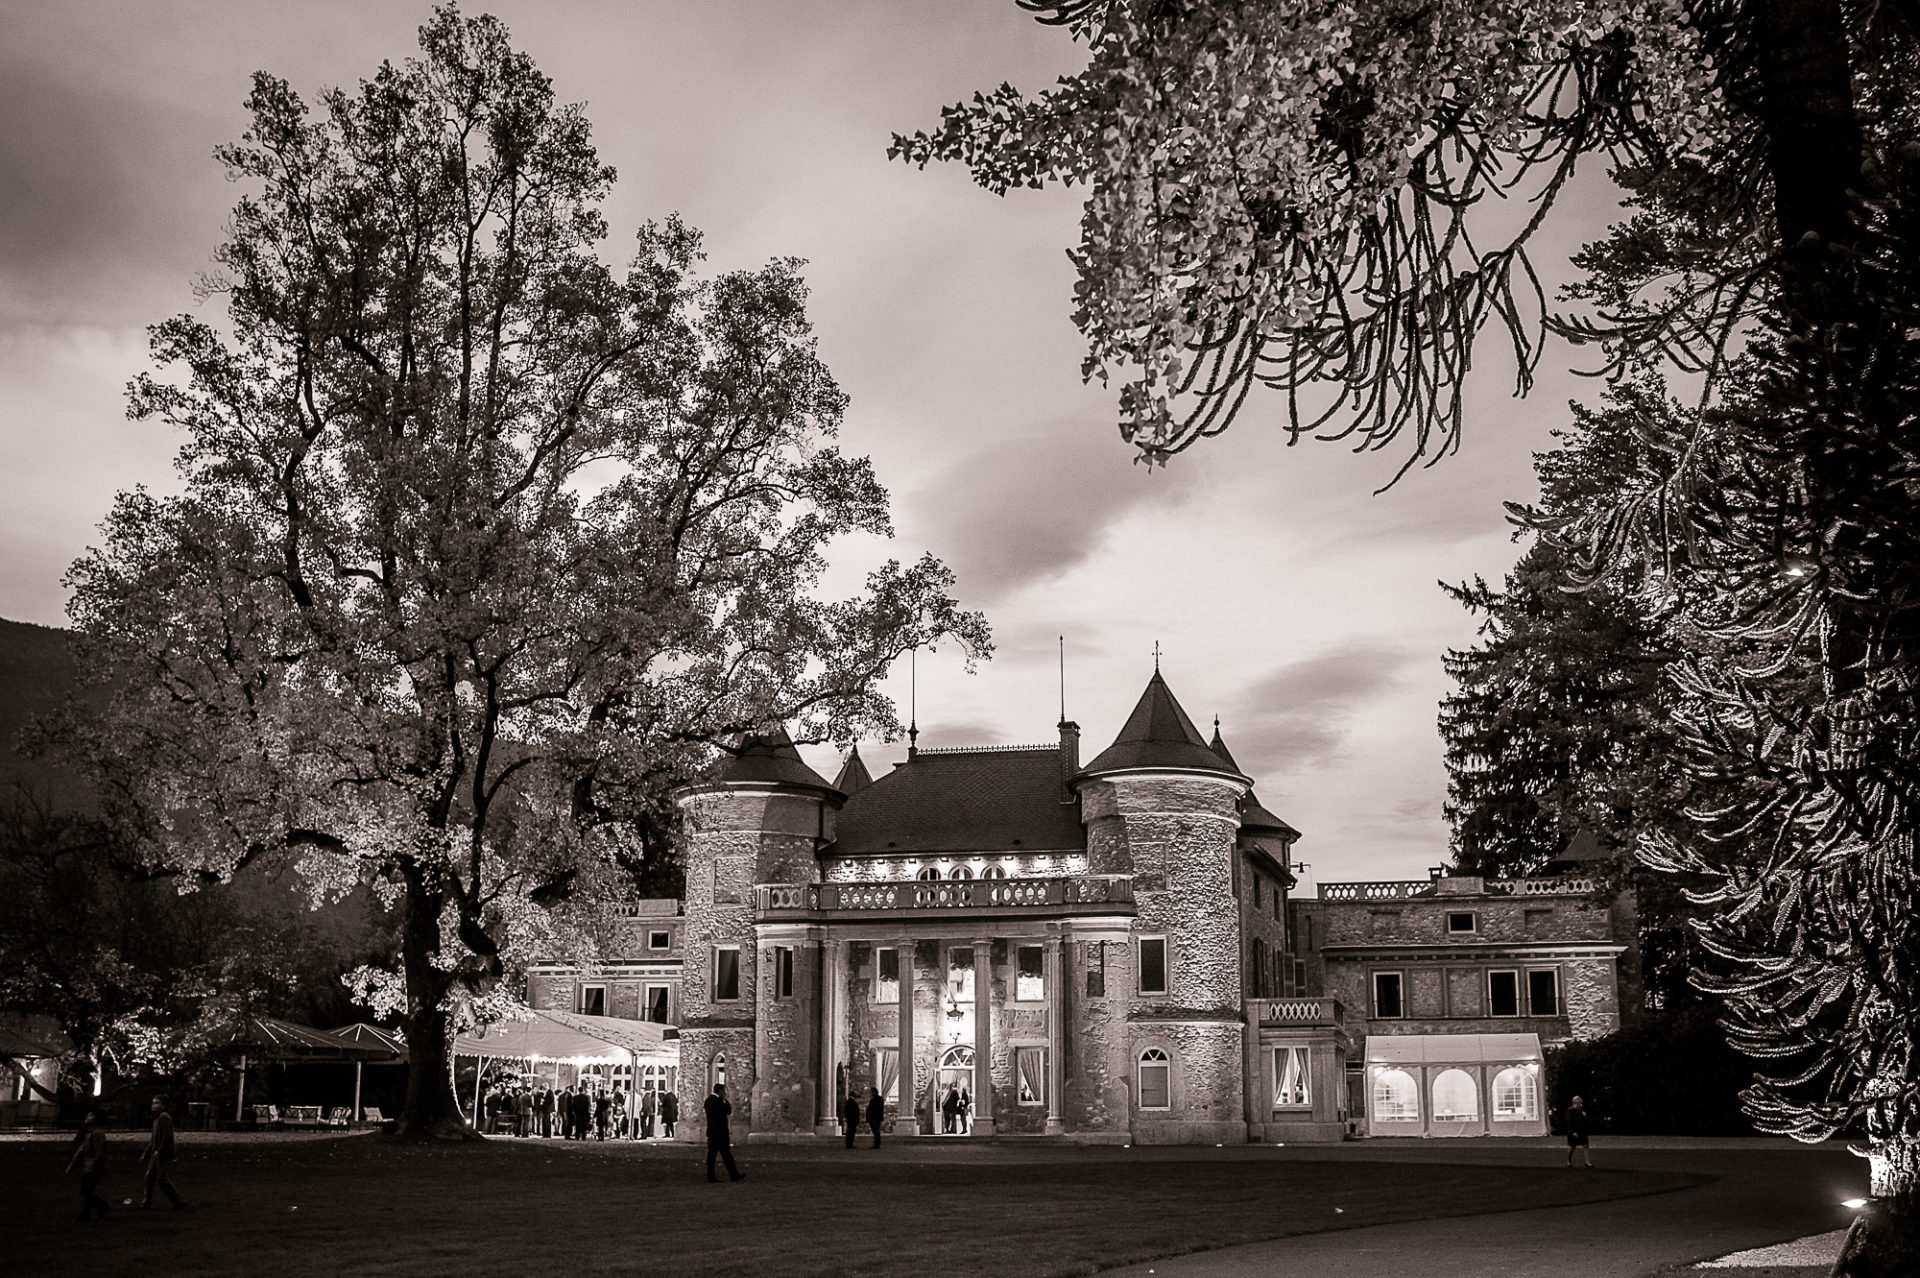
(431, 1111)
(1885, 1238)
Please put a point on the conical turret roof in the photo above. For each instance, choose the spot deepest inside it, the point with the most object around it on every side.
(1253, 814)
(854, 776)
(1158, 734)
(768, 758)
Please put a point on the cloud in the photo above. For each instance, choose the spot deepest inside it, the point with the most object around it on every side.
(1031, 508)
(1296, 718)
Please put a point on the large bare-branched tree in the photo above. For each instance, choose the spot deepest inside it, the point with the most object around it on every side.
(482, 546)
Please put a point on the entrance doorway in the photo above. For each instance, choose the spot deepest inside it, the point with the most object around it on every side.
(956, 1082)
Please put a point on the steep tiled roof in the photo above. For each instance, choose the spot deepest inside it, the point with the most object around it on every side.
(964, 801)
(1253, 814)
(769, 757)
(854, 776)
(1158, 734)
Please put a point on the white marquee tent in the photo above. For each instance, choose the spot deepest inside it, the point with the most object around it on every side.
(1455, 1085)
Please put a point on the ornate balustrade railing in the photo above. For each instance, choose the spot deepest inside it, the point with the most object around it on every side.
(1294, 1011)
(1066, 892)
(1405, 889)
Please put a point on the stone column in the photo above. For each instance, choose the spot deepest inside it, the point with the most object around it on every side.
(833, 957)
(1056, 978)
(983, 1037)
(906, 1121)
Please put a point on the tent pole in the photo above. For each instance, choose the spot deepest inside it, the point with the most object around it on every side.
(240, 1102)
(479, 1070)
(357, 1066)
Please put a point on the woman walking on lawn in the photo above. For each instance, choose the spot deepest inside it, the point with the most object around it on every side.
(1578, 1127)
(90, 1155)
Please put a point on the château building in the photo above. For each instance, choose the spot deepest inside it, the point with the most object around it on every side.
(1101, 951)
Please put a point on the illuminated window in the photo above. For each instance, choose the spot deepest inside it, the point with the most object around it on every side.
(1156, 1080)
(1291, 1084)
(1030, 976)
(886, 976)
(960, 973)
(993, 872)
(930, 874)
(1395, 1098)
(1516, 1095)
(960, 872)
(886, 1072)
(1030, 1074)
(1456, 1097)
(1153, 965)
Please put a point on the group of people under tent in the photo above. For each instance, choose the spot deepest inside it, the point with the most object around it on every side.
(586, 1111)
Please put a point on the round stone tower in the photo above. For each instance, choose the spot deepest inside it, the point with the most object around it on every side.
(1164, 808)
(748, 1013)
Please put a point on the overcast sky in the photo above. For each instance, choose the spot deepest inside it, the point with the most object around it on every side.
(1286, 599)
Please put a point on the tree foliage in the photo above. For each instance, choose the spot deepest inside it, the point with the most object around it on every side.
(483, 546)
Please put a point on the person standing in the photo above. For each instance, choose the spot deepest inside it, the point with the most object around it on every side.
(720, 1134)
(949, 1110)
(582, 1112)
(649, 1106)
(850, 1117)
(669, 1113)
(1579, 1128)
(876, 1115)
(963, 1110)
(159, 1158)
(90, 1156)
(602, 1113)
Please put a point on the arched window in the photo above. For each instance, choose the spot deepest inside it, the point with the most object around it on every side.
(1156, 1080)
(960, 872)
(930, 874)
(993, 872)
(1516, 1095)
(717, 1070)
(1395, 1098)
(1456, 1097)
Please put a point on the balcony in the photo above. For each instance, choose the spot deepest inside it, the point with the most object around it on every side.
(1076, 894)
(1294, 1011)
(1407, 889)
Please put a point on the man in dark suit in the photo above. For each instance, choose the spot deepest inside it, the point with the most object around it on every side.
(582, 1113)
(669, 1113)
(876, 1115)
(720, 1133)
(850, 1117)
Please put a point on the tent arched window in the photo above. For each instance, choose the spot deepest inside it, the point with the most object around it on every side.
(1516, 1094)
(1395, 1098)
(1456, 1097)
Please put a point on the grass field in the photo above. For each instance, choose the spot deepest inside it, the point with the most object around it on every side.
(361, 1206)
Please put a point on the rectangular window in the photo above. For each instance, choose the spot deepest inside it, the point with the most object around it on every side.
(726, 974)
(1096, 969)
(1153, 965)
(783, 971)
(658, 1004)
(960, 973)
(886, 976)
(886, 1073)
(1460, 922)
(593, 1000)
(1030, 1074)
(1292, 1088)
(1030, 974)
(1543, 991)
(659, 940)
(1503, 993)
(1386, 996)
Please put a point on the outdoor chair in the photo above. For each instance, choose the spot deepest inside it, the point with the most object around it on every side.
(339, 1116)
(267, 1115)
(371, 1114)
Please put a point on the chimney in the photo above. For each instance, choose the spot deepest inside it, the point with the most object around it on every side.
(1069, 757)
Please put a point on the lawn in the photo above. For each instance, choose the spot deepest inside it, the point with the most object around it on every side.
(362, 1206)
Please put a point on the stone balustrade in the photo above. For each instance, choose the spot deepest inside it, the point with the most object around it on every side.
(1294, 1011)
(1072, 894)
(1407, 889)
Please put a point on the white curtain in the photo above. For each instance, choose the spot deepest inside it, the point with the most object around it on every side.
(1031, 1064)
(886, 1062)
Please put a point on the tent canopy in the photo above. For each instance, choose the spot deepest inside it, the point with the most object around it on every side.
(577, 1040)
(265, 1038)
(373, 1036)
(1451, 1049)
